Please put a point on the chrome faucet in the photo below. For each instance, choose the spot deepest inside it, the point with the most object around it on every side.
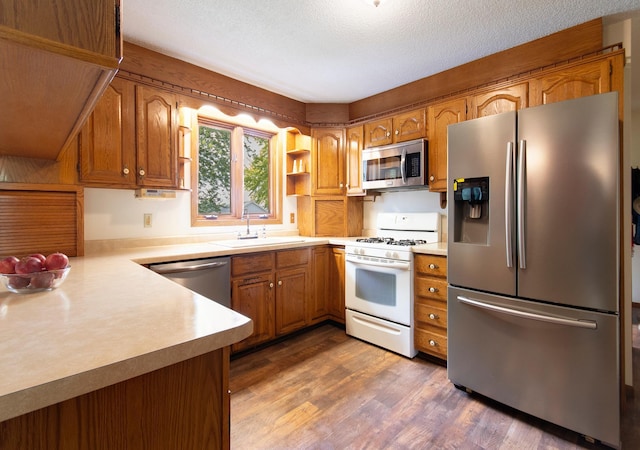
(248, 235)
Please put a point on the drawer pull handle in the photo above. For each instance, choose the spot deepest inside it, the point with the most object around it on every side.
(433, 289)
(433, 316)
(433, 343)
(433, 266)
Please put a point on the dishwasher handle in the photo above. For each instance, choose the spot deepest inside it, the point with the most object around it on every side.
(189, 268)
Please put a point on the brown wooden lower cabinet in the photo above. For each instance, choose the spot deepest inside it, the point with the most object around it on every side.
(335, 285)
(274, 290)
(185, 405)
(430, 305)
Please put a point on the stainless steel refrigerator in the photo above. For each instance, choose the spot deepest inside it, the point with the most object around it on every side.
(533, 262)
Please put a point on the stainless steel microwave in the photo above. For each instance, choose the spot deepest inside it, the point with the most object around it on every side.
(402, 165)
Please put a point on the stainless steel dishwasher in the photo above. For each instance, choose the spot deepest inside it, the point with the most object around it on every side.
(210, 277)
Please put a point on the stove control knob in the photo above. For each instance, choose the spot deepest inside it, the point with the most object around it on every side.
(388, 254)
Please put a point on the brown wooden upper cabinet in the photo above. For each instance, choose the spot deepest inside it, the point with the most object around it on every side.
(573, 82)
(440, 116)
(355, 143)
(499, 100)
(107, 139)
(58, 58)
(327, 161)
(399, 128)
(130, 139)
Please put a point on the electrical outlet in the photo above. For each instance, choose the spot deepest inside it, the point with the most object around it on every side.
(292, 218)
(147, 220)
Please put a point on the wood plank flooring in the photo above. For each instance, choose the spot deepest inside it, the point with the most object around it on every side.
(325, 390)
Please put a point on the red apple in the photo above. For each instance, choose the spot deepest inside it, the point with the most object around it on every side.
(42, 280)
(56, 261)
(28, 264)
(40, 256)
(16, 282)
(8, 264)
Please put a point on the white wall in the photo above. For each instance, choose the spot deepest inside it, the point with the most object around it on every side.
(406, 202)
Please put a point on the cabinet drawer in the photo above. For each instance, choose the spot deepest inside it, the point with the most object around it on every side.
(429, 342)
(254, 263)
(431, 265)
(431, 287)
(430, 315)
(289, 258)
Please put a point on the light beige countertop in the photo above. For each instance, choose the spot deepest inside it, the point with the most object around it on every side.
(439, 248)
(113, 319)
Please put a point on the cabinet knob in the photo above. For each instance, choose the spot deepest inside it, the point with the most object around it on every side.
(432, 178)
(433, 289)
(141, 172)
(341, 185)
(433, 266)
(397, 132)
(125, 170)
(271, 285)
(432, 343)
(279, 282)
(433, 316)
(388, 133)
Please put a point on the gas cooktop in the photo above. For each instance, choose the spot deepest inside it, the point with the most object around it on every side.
(391, 241)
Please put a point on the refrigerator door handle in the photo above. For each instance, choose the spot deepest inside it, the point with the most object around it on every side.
(522, 159)
(529, 315)
(508, 205)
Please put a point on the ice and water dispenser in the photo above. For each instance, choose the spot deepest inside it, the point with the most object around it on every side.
(471, 216)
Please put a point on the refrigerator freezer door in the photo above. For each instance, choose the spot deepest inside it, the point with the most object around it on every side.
(478, 247)
(570, 202)
(556, 363)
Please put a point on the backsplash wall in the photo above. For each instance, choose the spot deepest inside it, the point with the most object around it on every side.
(412, 201)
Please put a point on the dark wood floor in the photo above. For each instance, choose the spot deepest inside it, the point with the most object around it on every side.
(325, 390)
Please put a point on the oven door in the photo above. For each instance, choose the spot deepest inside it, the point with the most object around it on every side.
(378, 287)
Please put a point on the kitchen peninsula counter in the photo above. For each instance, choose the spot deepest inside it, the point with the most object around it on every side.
(111, 321)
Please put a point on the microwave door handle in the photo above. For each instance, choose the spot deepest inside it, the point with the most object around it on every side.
(403, 160)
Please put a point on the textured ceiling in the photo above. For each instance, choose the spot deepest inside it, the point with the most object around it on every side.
(339, 51)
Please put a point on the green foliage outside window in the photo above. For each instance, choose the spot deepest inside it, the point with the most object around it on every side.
(215, 181)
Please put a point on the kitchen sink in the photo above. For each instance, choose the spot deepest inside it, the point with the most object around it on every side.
(258, 242)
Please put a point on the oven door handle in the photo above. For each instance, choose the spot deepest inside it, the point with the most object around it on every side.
(395, 265)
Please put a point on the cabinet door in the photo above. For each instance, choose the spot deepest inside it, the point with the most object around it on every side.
(511, 98)
(336, 284)
(378, 132)
(328, 174)
(317, 306)
(107, 140)
(156, 117)
(573, 82)
(410, 125)
(440, 116)
(253, 297)
(355, 142)
(291, 299)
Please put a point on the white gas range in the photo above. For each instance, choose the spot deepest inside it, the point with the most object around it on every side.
(379, 280)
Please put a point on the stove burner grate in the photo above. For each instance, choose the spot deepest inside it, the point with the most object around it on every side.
(391, 241)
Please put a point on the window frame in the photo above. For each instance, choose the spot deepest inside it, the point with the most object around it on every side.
(237, 172)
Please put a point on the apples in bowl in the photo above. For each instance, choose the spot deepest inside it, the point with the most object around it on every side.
(34, 273)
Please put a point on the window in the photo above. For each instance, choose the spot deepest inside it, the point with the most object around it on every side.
(235, 173)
